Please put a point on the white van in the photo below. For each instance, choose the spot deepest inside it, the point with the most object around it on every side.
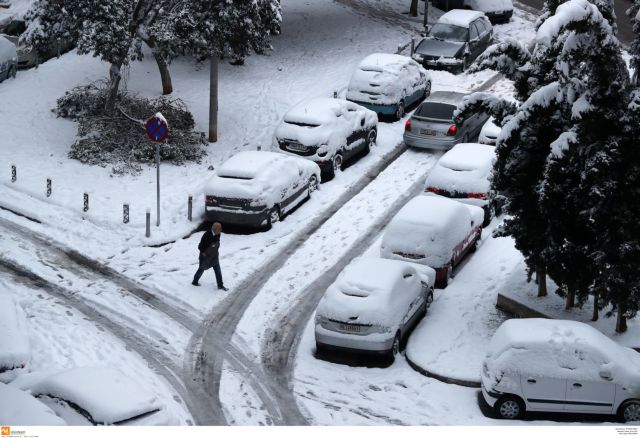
(550, 365)
(8, 59)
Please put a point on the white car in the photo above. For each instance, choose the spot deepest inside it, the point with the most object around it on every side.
(372, 306)
(498, 11)
(18, 407)
(327, 132)
(559, 366)
(434, 231)
(489, 133)
(463, 174)
(15, 350)
(89, 396)
(388, 84)
(257, 188)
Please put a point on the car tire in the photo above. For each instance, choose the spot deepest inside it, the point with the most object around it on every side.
(488, 215)
(372, 135)
(629, 411)
(395, 347)
(312, 185)
(448, 275)
(13, 71)
(337, 163)
(509, 407)
(400, 110)
(275, 215)
(429, 298)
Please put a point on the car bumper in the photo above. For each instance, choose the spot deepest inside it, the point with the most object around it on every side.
(420, 141)
(332, 340)
(490, 397)
(237, 217)
(387, 110)
(453, 66)
(499, 16)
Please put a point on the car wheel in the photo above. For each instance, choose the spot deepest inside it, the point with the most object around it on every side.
(337, 163)
(400, 110)
(12, 72)
(395, 347)
(312, 185)
(488, 215)
(509, 408)
(429, 298)
(447, 275)
(274, 216)
(629, 411)
(371, 139)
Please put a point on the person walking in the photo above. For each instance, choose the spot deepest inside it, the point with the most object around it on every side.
(209, 255)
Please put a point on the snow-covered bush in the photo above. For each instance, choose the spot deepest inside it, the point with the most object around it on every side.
(120, 140)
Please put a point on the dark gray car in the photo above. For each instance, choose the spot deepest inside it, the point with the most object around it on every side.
(455, 41)
(432, 127)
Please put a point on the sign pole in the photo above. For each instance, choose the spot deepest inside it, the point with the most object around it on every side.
(158, 182)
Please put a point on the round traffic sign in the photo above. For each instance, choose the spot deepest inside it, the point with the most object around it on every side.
(157, 128)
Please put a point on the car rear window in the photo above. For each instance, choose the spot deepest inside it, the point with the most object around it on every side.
(436, 110)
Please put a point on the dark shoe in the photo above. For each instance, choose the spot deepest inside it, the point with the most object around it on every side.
(222, 288)
(194, 283)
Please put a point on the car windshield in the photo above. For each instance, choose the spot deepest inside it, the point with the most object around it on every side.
(436, 110)
(235, 177)
(304, 124)
(448, 32)
(16, 28)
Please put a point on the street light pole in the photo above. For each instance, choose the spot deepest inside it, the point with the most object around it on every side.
(426, 14)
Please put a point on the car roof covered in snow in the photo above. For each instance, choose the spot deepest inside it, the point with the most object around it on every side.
(248, 164)
(18, 407)
(14, 337)
(460, 17)
(450, 97)
(469, 156)
(434, 212)
(318, 111)
(384, 62)
(561, 349)
(105, 393)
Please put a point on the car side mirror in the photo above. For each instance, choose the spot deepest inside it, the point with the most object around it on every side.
(606, 375)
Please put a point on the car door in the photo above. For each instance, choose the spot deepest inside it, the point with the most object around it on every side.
(355, 122)
(474, 41)
(590, 395)
(413, 297)
(544, 393)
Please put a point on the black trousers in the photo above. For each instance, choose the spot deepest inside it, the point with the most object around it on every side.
(216, 270)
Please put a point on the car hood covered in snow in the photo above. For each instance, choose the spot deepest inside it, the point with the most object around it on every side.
(438, 48)
(17, 407)
(105, 393)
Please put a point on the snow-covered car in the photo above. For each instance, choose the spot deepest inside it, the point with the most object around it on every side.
(559, 366)
(257, 188)
(463, 174)
(489, 132)
(27, 56)
(497, 11)
(372, 306)
(388, 84)
(8, 59)
(455, 41)
(89, 396)
(20, 408)
(15, 350)
(431, 125)
(328, 132)
(435, 231)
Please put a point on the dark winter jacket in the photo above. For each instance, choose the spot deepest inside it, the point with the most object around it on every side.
(209, 245)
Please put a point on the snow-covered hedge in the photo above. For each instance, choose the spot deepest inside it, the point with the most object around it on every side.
(120, 140)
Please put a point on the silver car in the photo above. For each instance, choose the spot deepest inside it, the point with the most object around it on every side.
(432, 127)
(8, 59)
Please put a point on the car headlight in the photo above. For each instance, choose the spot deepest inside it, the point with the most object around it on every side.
(418, 57)
(323, 150)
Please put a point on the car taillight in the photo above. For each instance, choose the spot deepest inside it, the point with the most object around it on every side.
(407, 125)
(209, 199)
(432, 189)
(453, 130)
(477, 195)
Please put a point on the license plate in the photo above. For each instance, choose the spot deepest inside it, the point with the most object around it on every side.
(427, 132)
(297, 147)
(350, 328)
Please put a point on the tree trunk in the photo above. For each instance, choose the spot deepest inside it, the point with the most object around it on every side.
(541, 279)
(213, 101)
(115, 76)
(571, 300)
(413, 11)
(621, 320)
(165, 76)
(596, 312)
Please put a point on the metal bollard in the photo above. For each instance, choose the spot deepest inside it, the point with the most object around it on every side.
(148, 233)
(14, 173)
(86, 203)
(48, 187)
(335, 94)
(125, 213)
(190, 209)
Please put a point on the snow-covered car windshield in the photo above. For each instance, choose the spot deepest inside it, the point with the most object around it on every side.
(436, 110)
(448, 32)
